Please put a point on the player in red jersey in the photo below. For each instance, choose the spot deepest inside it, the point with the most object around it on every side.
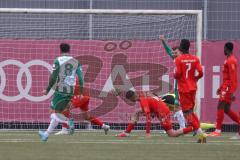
(81, 102)
(188, 71)
(153, 105)
(226, 90)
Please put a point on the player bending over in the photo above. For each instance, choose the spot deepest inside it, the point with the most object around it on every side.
(81, 102)
(169, 100)
(65, 69)
(226, 91)
(154, 105)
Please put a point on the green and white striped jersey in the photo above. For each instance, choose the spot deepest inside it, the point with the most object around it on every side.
(65, 70)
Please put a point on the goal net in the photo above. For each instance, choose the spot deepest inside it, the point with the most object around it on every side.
(115, 47)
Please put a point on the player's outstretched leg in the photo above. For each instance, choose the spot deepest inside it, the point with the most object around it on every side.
(192, 119)
(98, 122)
(127, 132)
(123, 134)
(53, 124)
(65, 127)
(55, 119)
(62, 119)
(131, 124)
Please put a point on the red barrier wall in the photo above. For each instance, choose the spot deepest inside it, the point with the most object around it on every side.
(27, 62)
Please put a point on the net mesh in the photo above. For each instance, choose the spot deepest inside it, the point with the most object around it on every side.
(114, 50)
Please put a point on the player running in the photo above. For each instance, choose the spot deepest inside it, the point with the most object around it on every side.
(226, 91)
(187, 66)
(65, 69)
(153, 105)
(81, 102)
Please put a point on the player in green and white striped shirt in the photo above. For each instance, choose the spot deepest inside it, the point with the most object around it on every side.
(65, 70)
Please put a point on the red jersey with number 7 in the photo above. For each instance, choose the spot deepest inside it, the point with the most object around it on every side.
(188, 71)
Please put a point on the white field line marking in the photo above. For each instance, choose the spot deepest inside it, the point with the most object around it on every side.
(99, 134)
(134, 142)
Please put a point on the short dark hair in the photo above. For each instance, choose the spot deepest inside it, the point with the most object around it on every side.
(229, 46)
(184, 45)
(169, 99)
(130, 94)
(64, 47)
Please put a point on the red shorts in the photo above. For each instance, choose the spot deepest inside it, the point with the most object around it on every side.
(166, 124)
(164, 117)
(225, 95)
(187, 100)
(81, 102)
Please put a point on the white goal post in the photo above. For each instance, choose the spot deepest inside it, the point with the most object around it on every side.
(25, 31)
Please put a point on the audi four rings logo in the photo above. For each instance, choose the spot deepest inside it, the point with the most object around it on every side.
(23, 68)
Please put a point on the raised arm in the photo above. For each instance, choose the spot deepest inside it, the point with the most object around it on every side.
(167, 47)
(171, 54)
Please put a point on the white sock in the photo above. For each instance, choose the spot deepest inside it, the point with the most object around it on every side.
(59, 117)
(218, 130)
(53, 124)
(199, 131)
(180, 119)
(104, 126)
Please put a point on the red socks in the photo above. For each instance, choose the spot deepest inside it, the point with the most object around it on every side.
(195, 121)
(66, 114)
(220, 117)
(96, 121)
(148, 127)
(192, 119)
(187, 130)
(129, 127)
